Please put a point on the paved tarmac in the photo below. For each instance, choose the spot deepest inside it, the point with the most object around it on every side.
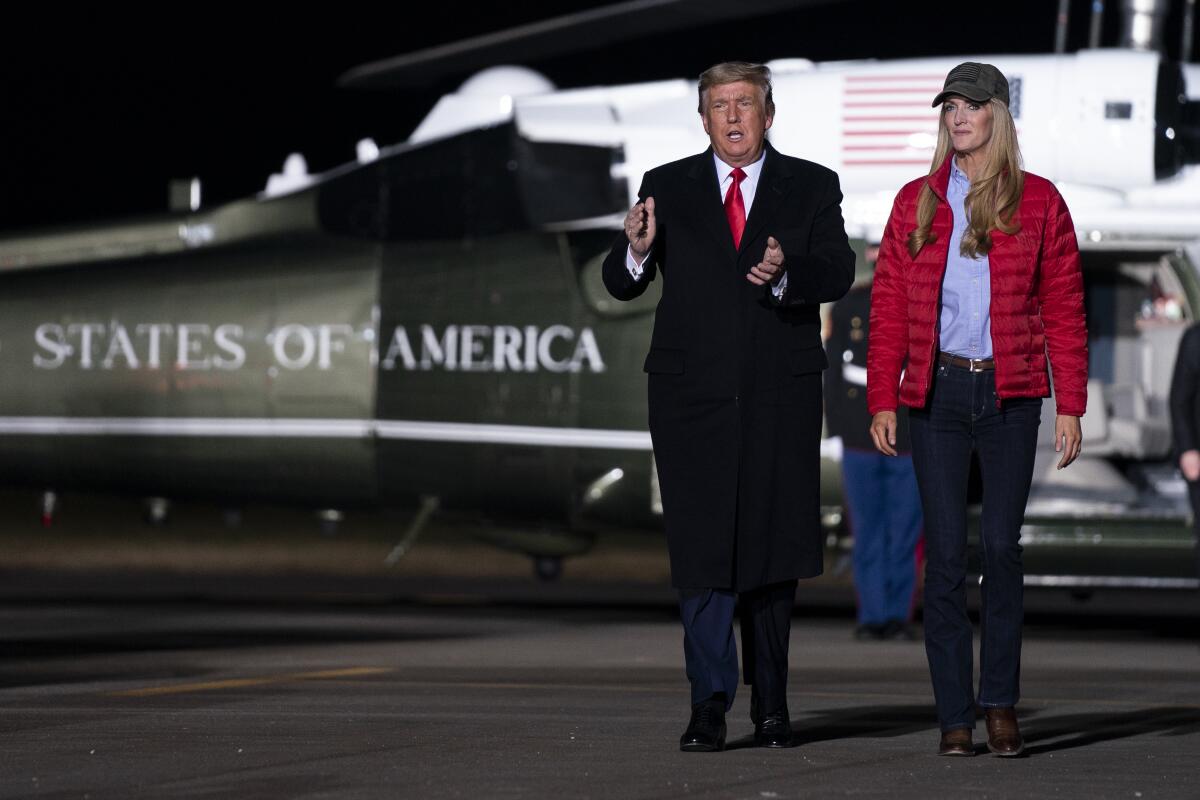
(363, 699)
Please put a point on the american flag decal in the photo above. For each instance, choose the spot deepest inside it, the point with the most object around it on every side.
(887, 120)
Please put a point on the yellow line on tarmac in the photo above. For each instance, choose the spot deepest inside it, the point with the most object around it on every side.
(239, 683)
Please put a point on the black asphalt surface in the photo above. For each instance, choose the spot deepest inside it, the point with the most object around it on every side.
(288, 695)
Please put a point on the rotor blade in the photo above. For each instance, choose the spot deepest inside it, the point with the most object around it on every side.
(570, 33)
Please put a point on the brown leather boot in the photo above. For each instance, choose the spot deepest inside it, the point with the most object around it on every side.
(956, 743)
(1004, 735)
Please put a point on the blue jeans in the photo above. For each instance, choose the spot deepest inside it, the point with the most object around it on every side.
(885, 518)
(961, 416)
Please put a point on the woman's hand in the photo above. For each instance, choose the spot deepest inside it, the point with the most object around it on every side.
(1068, 438)
(883, 432)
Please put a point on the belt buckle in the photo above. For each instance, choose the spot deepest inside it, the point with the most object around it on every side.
(975, 364)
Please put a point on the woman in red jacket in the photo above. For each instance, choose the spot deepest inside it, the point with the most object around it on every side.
(978, 280)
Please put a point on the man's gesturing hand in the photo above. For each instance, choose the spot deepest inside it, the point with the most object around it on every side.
(770, 269)
(640, 227)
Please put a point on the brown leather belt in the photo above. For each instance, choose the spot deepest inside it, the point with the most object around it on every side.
(972, 364)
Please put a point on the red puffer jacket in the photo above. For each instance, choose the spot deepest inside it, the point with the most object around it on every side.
(1036, 305)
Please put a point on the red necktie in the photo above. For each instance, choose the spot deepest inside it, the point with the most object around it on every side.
(735, 209)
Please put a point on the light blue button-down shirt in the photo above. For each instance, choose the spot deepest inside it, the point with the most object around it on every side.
(966, 324)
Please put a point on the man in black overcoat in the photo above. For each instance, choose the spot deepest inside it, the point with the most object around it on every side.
(748, 242)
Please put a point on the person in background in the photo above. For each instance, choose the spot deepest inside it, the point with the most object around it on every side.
(882, 502)
(1185, 421)
(978, 281)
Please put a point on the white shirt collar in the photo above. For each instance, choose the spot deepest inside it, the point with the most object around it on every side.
(751, 170)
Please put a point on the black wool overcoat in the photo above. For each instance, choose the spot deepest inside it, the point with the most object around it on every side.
(735, 372)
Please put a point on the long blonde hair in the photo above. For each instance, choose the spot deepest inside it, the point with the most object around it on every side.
(994, 195)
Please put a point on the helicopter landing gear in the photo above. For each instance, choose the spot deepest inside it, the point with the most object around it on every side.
(429, 504)
(329, 519)
(156, 510)
(548, 546)
(49, 505)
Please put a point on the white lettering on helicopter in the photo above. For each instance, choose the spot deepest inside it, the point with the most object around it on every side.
(197, 346)
(293, 346)
(466, 348)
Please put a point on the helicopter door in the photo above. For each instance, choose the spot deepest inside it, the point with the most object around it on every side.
(480, 352)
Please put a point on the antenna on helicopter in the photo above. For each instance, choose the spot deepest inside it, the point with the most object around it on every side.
(366, 151)
(1142, 23)
(293, 177)
(1062, 22)
(1189, 18)
(183, 194)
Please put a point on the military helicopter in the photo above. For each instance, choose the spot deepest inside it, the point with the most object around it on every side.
(427, 324)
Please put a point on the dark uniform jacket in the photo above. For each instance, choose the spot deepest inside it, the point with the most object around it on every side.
(1185, 394)
(846, 379)
(735, 373)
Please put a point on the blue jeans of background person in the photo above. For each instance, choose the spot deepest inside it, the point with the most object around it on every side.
(962, 415)
(885, 518)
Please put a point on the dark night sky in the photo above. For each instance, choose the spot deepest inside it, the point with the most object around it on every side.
(99, 114)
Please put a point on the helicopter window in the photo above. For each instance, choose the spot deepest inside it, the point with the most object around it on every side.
(1121, 110)
(1136, 312)
(588, 250)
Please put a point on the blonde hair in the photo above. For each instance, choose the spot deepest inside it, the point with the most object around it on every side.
(995, 192)
(734, 72)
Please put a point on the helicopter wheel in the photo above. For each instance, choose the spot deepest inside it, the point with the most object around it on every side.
(156, 511)
(548, 568)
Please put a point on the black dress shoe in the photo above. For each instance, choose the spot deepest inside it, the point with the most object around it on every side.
(774, 730)
(869, 632)
(706, 731)
(898, 629)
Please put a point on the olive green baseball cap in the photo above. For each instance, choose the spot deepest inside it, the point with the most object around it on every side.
(975, 81)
